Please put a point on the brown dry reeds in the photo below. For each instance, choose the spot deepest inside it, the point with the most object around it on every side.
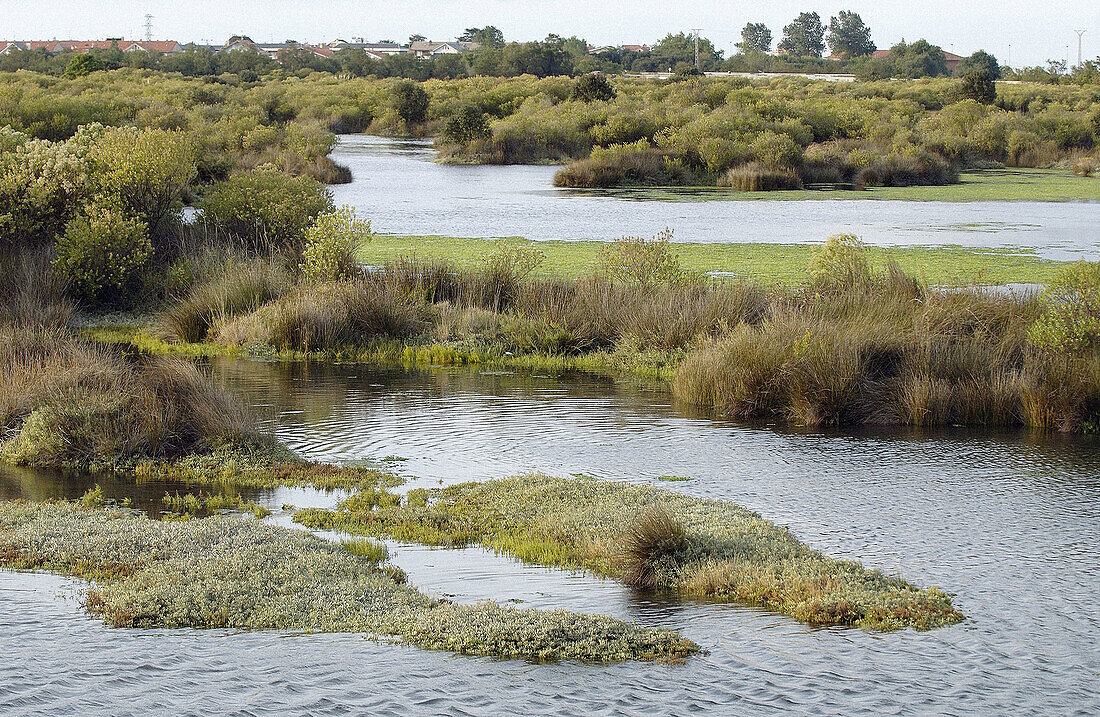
(67, 402)
(758, 177)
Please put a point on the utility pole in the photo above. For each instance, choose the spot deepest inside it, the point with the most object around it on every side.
(696, 31)
(1080, 34)
(149, 28)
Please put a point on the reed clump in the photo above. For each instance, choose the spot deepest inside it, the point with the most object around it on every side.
(759, 177)
(651, 539)
(67, 402)
(858, 347)
(228, 573)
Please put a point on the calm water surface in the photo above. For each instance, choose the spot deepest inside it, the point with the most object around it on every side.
(402, 191)
(1009, 524)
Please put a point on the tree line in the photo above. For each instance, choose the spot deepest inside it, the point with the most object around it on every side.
(801, 48)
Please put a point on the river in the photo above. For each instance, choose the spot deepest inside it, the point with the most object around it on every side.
(1005, 521)
(398, 186)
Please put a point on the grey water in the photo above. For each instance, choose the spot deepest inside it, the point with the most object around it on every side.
(1007, 522)
(402, 190)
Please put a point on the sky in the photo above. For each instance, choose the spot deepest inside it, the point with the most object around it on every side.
(1025, 32)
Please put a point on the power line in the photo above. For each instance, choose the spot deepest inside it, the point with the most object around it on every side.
(148, 28)
(695, 31)
(1080, 34)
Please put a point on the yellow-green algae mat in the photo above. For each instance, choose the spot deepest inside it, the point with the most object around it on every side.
(240, 573)
(648, 537)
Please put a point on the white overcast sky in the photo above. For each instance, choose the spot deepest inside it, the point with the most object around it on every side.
(1035, 29)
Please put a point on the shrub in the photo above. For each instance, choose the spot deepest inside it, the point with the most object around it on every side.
(241, 287)
(84, 65)
(410, 101)
(266, 208)
(332, 316)
(75, 404)
(331, 243)
(1071, 322)
(102, 252)
(758, 177)
(978, 85)
(42, 184)
(593, 88)
(640, 261)
(146, 170)
(841, 263)
(1086, 166)
(467, 124)
(636, 163)
(32, 294)
(654, 543)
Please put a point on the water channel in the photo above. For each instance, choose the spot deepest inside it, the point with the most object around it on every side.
(1007, 522)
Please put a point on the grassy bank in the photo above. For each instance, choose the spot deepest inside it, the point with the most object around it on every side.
(651, 539)
(762, 263)
(232, 573)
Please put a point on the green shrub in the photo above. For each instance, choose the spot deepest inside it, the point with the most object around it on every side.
(593, 88)
(410, 102)
(331, 243)
(1071, 321)
(266, 208)
(467, 124)
(84, 65)
(978, 85)
(641, 261)
(42, 184)
(102, 252)
(758, 177)
(841, 263)
(147, 170)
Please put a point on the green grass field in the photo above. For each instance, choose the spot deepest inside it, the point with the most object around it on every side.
(763, 263)
(994, 185)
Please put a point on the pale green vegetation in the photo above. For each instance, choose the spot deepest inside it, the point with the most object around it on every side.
(649, 538)
(239, 574)
(765, 264)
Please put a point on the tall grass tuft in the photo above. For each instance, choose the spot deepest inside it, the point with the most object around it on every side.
(67, 402)
(759, 177)
(652, 544)
(31, 292)
(241, 287)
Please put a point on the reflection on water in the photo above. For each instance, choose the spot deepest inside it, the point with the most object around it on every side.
(1008, 523)
(397, 185)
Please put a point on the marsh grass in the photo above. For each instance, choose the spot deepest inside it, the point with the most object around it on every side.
(647, 537)
(232, 573)
(200, 504)
(67, 402)
(32, 294)
(240, 287)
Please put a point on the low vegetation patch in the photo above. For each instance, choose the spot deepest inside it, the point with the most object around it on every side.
(649, 538)
(239, 574)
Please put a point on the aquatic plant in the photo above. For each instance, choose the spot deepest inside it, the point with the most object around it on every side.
(650, 538)
(243, 574)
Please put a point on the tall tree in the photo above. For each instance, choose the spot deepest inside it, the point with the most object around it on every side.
(849, 36)
(488, 36)
(805, 37)
(980, 60)
(681, 48)
(755, 37)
